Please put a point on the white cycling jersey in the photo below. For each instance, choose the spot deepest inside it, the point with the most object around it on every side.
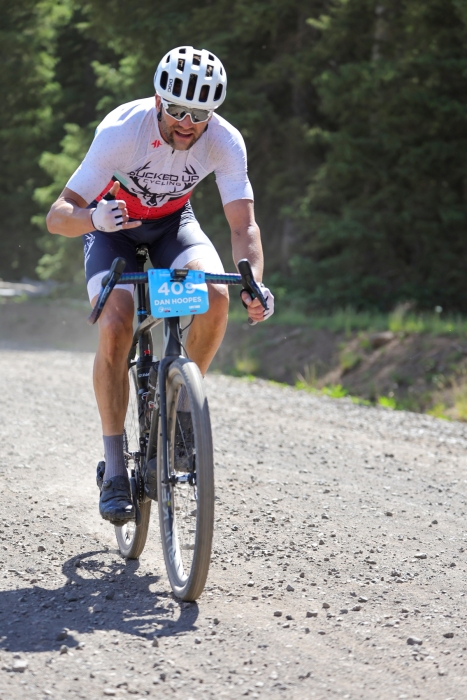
(155, 179)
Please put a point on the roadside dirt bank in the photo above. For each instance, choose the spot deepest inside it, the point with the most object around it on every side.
(339, 562)
(416, 371)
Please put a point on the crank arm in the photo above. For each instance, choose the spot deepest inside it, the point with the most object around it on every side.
(135, 500)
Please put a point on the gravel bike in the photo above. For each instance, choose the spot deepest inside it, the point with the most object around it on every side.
(158, 438)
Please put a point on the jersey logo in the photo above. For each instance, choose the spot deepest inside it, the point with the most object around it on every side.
(156, 143)
(174, 186)
(89, 240)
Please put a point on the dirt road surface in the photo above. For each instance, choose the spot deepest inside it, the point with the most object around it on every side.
(339, 562)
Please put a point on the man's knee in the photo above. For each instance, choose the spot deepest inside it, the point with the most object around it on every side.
(218, 300)
(116, 326)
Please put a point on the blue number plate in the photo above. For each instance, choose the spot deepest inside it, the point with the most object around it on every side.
(170, 297)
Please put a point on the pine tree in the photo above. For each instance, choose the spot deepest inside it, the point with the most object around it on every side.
(385, 217)
(28, 95)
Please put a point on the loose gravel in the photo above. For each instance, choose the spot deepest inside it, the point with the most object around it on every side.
(338, 568)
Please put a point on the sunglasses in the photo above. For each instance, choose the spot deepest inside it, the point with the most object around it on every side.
(179, 112)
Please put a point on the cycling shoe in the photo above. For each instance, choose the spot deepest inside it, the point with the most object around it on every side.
(116, 503)
(184, 443)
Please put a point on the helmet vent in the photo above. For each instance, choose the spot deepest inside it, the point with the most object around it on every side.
(211, 57)
(181, 64)
(177, 88)
(191, 87)
(218, 93)
(209, 71)
(196, 59)
(164, 79)
(204, 93)
(182, 51)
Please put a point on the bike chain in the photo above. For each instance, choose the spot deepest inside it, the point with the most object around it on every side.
(140, 486)
(126, 447)
(140, 480)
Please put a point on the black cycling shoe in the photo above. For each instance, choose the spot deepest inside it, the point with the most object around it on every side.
(184, 443)
(116, 503)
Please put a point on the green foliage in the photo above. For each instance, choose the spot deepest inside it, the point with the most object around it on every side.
(359, 401)
(28, 94)
(387, 402)
(62, 258)
(460, 402)
(45, 82)
(334, 391)
(307, 379)
(384, 219)
(354, 115)
(438, 411)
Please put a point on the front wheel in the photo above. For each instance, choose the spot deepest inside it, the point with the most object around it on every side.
(131, 537)
(186, 492)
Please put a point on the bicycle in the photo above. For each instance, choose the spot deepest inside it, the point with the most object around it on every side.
(154, 436)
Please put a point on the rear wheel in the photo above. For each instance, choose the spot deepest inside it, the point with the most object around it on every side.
(131, 537)
(186, 503)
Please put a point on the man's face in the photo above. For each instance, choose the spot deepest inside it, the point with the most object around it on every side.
(180, 135)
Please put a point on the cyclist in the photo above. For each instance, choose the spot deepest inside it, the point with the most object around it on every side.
(149, 155)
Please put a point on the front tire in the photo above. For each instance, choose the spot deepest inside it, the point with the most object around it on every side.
(186, 510)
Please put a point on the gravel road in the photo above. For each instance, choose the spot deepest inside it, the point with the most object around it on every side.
(339, 563)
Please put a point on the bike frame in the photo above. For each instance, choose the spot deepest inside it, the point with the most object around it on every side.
(172, 349)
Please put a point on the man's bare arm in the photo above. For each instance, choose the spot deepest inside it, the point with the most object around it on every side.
(246, 243)
(69, 217)
(246, 239)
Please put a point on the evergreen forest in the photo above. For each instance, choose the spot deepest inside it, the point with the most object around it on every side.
(354, 114)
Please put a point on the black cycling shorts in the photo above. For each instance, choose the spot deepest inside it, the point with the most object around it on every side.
(172, 241)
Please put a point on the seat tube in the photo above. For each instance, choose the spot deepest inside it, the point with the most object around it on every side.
(141, 309)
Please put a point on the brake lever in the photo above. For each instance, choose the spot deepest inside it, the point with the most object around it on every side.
(249, 282)
(115, 271)
(108, 283)
(251, 286)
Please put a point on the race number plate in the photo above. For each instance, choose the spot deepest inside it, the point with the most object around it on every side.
(176, 297)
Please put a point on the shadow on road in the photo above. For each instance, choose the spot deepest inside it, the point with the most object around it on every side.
(98, 595)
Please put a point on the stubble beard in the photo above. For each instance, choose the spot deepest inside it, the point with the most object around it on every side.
(168, 134)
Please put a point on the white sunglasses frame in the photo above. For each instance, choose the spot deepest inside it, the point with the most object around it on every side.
(165, 103)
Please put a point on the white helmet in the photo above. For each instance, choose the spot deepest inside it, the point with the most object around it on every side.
(189, 76)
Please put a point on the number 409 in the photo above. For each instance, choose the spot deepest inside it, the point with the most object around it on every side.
(176, 288)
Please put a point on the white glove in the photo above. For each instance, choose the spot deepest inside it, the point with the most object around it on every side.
(107, 216)
(269, 296)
